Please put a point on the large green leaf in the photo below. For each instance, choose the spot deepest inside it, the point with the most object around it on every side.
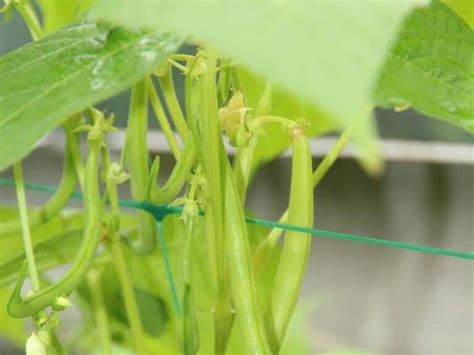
(326, 52)
(57, 14)
(464, 9)
(432, 67)
(75, 67)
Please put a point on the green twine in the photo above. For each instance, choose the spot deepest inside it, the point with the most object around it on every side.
(360, 239)
(169, 272)
(159, 212)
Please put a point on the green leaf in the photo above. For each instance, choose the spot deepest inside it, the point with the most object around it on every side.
(431, 67)
(326, 52)
(464, 9)
(56, 242)
(12, 244)
(58, 250)
(44, 82)
(57, 14)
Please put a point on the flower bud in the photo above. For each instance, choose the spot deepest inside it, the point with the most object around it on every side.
(34, 345)
(61, 302)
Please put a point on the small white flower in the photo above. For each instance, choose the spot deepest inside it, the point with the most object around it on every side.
(34, 345)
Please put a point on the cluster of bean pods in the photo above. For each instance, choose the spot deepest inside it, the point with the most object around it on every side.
(214, 103)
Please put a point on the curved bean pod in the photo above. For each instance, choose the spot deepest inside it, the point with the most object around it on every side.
(296, 245)
(188, 328)
(167, 86)
(179, 175)
(136, 154)
(241, 276)
(20, 308)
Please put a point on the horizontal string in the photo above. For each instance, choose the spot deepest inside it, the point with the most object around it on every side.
(161, 211)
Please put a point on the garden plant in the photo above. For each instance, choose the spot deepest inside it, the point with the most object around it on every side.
(178, 268)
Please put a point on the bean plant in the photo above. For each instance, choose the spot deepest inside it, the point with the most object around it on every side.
(182, 271)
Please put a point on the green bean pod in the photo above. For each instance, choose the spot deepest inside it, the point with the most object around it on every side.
(20, 308)
(296, 245)
(188, 328)
(169, 93)
(136, 157)
(182, 170)
(241, 276)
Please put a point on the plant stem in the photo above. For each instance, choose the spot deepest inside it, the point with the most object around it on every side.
(74, 147)
(100, 312)
(27, 242)
(182, 57)
(129, 297)
(169, 93)
(162, 120)
(330, 158)
(178, 66)
(28, 14)
(261, 120)
(120, 264)
(244, 158)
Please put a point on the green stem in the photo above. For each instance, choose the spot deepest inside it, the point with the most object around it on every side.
(75, 147)
(330, 158)
(182, 57)
(28, 14)
(169, 93)
(188, 329)
(128, 293)
(262, 120)
(243, 164)
(162, 120)
(27, 242)
(178, 66)
(244, 157)
(100, 312)
(120, 264)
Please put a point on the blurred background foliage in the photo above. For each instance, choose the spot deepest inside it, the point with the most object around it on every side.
(357, 299)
